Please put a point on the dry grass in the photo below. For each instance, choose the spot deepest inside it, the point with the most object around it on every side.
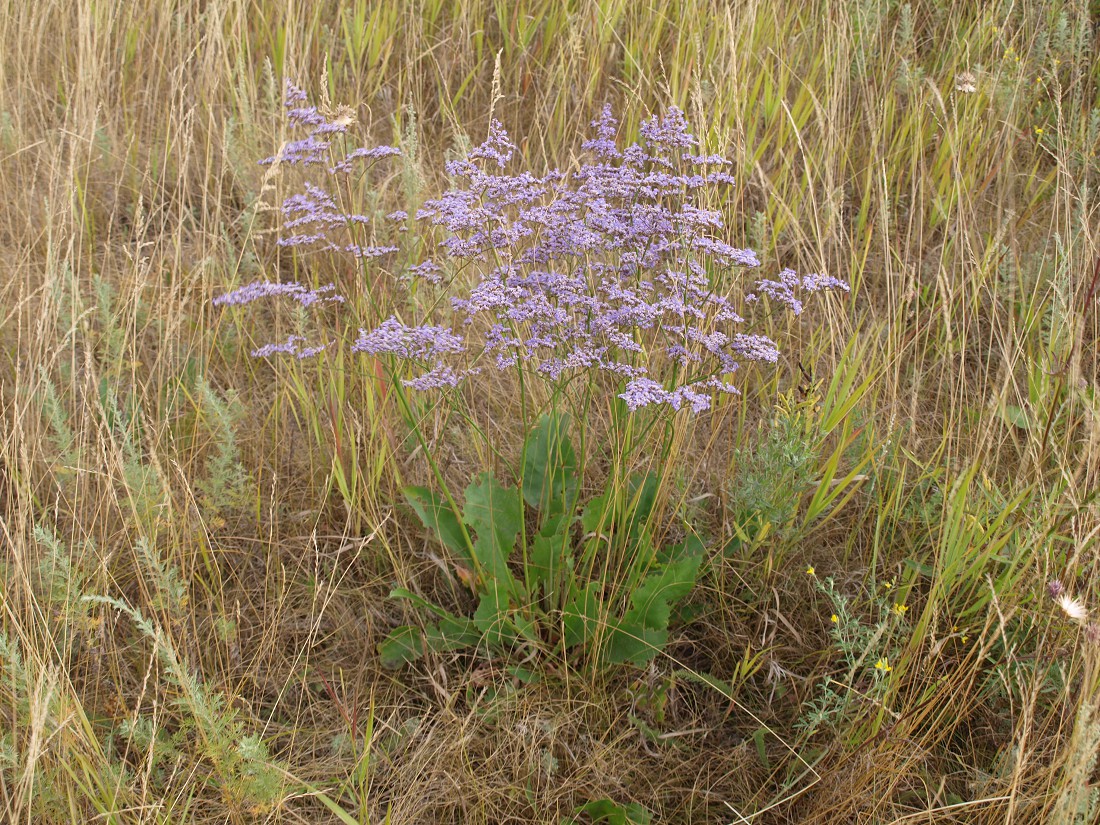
(186, 644)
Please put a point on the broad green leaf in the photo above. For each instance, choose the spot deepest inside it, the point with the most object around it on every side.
(631, 642)
(525, 675)
(643, 495)
(1015, 416)
(581, 616)
(550, 467)
(526, 628)
(761, 748)
(491, 506)
(403, 644)
(649, 604)
(550, 557)
(643, 631)
(592, 519)
(495, 513)
(421, 602)
(437, 515)
(492, 616)
(451, 633)
(610, 812)
(692, 546)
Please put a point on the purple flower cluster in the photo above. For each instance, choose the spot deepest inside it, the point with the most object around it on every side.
(789, 287)
(612, 267)
(303, 295)
(615, 266)
(310, 216)
(422, 344)
(266, 289)
(316, 146)
(290, 347)
(313, 217)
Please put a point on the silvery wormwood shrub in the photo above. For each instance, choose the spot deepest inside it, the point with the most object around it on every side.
(616, 268)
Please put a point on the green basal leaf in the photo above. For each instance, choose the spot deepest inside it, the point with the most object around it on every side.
(524, 675)
(495, 514)
(550, 467)
(492, 616)
(451, 633)
(492, 507)
(550, 557)
(612, 813)
(643, 496)
(421, 602)
(513, 615)
(692, 546)
(629, 641)
(526, 628)
(592, 519)
(629, 517)
(649, 604)
(643, 631)
(1015, 416)
(581, 617)
(437, 515)
(403, 645)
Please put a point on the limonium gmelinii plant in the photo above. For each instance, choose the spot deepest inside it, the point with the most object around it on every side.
(612, 268)
(616, 269)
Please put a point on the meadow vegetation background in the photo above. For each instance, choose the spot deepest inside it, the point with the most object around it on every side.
(894, 618)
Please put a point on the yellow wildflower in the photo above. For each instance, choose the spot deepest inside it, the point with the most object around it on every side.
(883, 665)
(810, 571)
(900, 609)
(835, 619)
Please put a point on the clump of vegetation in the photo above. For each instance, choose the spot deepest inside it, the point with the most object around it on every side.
(612, 271)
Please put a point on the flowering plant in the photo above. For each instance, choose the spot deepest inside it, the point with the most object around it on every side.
(615, 269)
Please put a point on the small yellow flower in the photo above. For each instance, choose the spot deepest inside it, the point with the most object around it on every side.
(888, 584)
(883, 665)
(810, 571)
(965, 639)
(835, 619)
(900, 609)
(1038, 130)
